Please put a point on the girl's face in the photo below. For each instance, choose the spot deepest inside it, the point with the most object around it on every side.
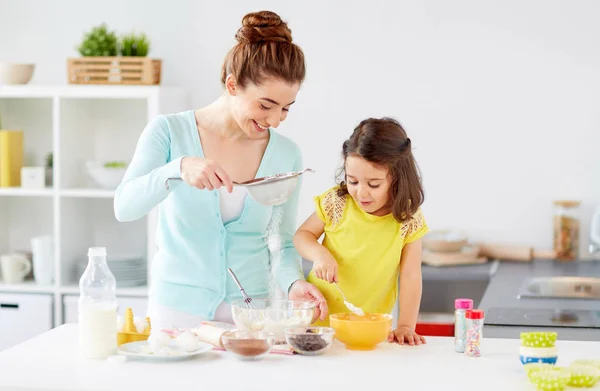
(368, 184)
(258, 108)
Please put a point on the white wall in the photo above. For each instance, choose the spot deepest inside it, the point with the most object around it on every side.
(499, 97)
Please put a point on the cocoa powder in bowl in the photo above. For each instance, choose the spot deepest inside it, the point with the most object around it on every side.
(247, 344)
(248, 347)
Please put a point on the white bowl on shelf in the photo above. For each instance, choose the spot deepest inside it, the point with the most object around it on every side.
(15, 73)
(103, 176)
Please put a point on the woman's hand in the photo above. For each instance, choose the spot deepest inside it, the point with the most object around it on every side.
(204, 174)
(405, 333)
(302, 290)
(326, 268)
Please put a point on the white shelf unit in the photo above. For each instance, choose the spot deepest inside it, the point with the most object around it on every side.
(77, 123)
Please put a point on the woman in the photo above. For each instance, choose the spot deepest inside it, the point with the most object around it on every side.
(205, 224)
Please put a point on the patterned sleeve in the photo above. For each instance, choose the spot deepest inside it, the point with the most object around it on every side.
(329, 207)
(415, 228)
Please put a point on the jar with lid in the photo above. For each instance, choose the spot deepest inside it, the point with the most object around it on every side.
(566, 226)
(474, 332)
(460, 323)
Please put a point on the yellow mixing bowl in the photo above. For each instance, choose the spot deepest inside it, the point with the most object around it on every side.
(361, 332)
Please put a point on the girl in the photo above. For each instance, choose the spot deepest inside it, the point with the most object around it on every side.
(373, 225)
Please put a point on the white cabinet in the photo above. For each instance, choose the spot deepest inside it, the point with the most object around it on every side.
(24, 316)
(77, 124)
(137, 304)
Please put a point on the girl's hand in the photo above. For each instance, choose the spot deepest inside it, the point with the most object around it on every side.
(405, 333)
(326, 268)
(204, 174)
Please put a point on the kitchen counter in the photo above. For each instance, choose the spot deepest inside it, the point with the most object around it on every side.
(504, 287)
(445, 282)
(483, 272)
(50, 361)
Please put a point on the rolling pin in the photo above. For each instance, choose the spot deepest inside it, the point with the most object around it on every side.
(514, 253)
(211, 334)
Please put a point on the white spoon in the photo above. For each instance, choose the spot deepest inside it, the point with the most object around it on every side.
(351, 307)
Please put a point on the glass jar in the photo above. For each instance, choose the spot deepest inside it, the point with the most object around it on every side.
(460, 323)
(474, 332)
(566, 230)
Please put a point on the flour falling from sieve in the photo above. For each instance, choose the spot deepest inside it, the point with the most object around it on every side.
(274, 245)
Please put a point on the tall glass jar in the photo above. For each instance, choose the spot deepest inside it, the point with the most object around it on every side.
(460, 323)
(566, 230)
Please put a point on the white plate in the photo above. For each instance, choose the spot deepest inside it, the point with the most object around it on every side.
(141, 350)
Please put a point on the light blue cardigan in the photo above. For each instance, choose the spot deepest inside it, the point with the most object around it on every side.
(195, 248)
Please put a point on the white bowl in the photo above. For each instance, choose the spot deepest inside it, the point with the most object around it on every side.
(13, 73)
(105, 177)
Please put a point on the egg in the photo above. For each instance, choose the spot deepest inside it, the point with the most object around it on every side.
(139, 323)
(187, 341)
(159, 342)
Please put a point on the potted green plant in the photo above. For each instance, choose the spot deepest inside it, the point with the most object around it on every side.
(99, 42)
(134, 45)
(106, 59)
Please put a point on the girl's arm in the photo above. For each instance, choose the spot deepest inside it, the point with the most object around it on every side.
(290, 275)
(307, 243)
(409, 296)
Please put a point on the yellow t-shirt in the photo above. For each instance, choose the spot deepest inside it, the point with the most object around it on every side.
(367, 249)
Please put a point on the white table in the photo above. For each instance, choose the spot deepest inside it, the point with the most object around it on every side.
(50, 362)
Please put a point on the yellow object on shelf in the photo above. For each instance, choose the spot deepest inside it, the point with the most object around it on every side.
(129, 333)
(11, 157)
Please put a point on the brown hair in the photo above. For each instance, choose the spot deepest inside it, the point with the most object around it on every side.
(385, 143)
(264, 49)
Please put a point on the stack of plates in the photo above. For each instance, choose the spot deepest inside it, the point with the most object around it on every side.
(128, 271)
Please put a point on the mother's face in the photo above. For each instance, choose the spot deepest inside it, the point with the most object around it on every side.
(256, 108)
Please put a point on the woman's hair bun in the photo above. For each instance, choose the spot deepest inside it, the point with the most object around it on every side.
(263, 26)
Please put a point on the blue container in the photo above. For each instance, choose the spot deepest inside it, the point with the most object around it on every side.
(545, 360)
(538, 355)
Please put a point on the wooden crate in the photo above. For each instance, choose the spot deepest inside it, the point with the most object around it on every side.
(113, 70)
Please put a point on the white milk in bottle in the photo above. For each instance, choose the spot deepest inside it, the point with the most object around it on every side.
(97, 307)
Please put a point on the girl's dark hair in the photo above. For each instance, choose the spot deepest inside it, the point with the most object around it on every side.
(383, 142)
(264, 50)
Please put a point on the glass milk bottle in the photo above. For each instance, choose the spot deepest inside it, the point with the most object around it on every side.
(97, 307)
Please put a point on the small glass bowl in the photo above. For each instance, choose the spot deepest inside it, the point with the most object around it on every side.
(248, 345)
(309, 341)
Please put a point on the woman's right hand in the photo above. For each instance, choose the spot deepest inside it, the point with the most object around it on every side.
(326, 268)
(204, 174)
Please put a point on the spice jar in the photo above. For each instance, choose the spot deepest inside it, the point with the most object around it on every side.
(566, 230)
(460, 323)
(474, 332)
